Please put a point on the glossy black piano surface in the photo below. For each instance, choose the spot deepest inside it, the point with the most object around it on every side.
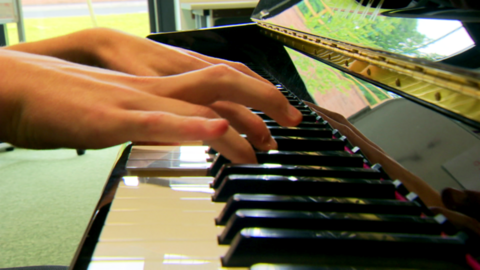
(334, 209)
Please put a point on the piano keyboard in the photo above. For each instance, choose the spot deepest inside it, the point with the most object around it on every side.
(314, 201)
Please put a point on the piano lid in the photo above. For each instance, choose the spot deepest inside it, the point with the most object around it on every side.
(422, 50)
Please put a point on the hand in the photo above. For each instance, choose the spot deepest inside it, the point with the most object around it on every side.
(49, 103)
(118, 51)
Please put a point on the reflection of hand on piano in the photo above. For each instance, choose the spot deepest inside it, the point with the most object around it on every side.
(461, 208)
(465, 203)
(63, 104)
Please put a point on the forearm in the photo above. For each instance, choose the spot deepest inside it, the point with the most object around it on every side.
(79, 47)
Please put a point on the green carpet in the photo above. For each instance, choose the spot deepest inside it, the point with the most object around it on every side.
(46, 201)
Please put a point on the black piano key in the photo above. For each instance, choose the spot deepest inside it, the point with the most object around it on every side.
(315, 203)
(211, 151)
(294, 170)
(309, 144)
(307, 220)
(303, 186)
(302, 109)
(335, 248)
(303, 106)
(319, 124)
(300, 132)
(306, 117)
(324, 158)
(266, 266)
(295, 102)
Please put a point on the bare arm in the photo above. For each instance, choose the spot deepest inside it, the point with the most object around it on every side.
(50, 103)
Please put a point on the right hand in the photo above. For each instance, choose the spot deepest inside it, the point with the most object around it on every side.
(50, 103)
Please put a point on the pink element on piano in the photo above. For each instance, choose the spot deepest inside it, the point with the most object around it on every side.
(472, 262)
(399, 197)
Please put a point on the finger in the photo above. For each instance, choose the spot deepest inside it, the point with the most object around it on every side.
(231, 144)
(222, 83)
(460, 221)
(162, 127)
(236, 65)
(234, 147)
(212, 60)
(246, 122)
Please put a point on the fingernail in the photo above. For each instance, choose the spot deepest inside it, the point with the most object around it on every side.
(216, 124)
(293, 113)
(268, 143)
(271, 144)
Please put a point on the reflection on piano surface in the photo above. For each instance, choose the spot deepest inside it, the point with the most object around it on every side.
(316, 201)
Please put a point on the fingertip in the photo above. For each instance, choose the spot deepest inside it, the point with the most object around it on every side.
(272, 144)
(268, 143)
(216, 127)
(294, 115)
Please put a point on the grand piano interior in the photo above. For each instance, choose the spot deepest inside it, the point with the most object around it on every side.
(404, 73)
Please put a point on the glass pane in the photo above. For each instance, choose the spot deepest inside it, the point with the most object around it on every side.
(50, 18)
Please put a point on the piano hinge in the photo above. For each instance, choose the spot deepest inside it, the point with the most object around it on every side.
(430, 83)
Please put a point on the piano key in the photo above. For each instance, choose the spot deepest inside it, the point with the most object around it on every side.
(266, 266)
(334, 248)
(306, 220)
(303, 186)
(168, 156)
(295, 102)
(302, 106)
(324, 158)
(318, 124)
(300, 132)
(302, 109)
(306, 117)
(309, 144)
(167, 168)
(316, 203)
(294, 170)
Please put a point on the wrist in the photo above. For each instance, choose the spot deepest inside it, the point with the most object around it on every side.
(79, 47)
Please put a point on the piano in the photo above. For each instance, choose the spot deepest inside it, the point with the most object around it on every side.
(317, 202)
